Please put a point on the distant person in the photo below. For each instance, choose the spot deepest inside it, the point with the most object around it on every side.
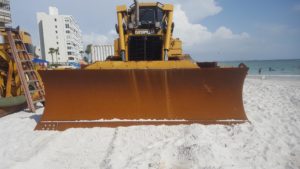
(271, 69)
(259, 71)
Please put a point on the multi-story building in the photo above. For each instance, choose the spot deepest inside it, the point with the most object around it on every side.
(5, 15)
(101, 52)
(59, 32)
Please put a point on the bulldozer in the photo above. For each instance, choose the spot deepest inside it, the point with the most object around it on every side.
(20, 84)
(148, 81)
(12, 96)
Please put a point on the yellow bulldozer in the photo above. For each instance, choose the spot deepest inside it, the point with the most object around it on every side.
(18, 75)
(148, 81)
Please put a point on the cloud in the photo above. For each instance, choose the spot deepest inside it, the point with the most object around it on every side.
(192, 34)
(196, 10)
(199, 40)
(225, 33)
(199, 9)
(100, 39)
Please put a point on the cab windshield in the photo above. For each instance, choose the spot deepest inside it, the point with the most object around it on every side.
(150, 15)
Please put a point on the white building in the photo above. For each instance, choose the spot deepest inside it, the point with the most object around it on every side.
(5, 15)
(37, 51)
(101, 52)
(59, 32)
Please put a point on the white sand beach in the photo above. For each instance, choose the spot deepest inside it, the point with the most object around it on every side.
(271, 140)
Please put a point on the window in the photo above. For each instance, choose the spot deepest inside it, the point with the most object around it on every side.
(147, 15)
(67, 26)
(55, 26)
(150, 15)
(69, 47)
(67, 31)
(57, 43)
(69, 53)
(55, 19)
(56, 32)
(29, 48)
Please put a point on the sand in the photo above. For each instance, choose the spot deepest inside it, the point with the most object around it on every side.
(271, 140)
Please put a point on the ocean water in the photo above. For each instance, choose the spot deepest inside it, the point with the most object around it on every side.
(269, 67)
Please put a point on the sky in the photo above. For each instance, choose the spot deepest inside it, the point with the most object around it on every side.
(211, 30)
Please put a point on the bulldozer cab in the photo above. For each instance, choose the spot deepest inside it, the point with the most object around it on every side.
(145, 33)
(149, 17)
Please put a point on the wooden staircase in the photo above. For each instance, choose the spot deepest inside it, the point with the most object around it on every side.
(32, 86)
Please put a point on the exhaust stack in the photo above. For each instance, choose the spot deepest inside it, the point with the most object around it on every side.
(137, 8)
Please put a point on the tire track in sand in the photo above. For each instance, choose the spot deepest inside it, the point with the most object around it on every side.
(106, 162)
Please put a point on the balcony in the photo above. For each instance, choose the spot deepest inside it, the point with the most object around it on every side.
(5, 15)
(4, 2)
(5, 19)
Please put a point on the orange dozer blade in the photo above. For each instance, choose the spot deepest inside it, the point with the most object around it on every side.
(111, 98)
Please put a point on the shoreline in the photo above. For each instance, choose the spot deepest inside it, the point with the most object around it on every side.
(274, 77)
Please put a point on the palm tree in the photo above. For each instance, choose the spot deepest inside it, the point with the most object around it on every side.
(86, 59)
(51, 52)
(81, 53)
(56, 53)
(88, 50)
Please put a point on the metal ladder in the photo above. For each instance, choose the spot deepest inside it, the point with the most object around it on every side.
(25, 67)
